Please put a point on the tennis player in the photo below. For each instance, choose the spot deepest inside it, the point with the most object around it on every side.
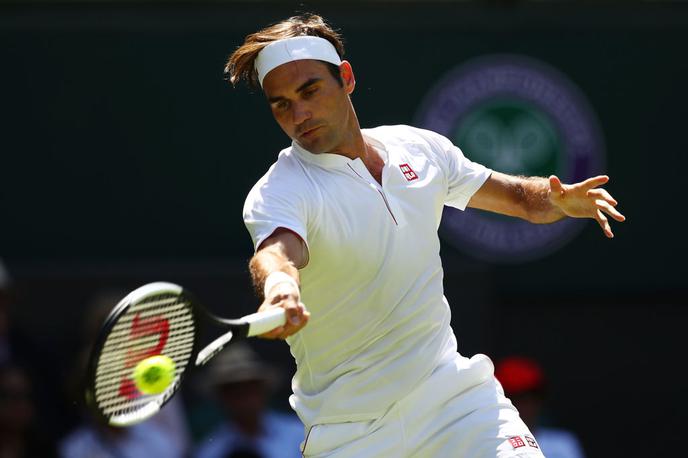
(346, 221)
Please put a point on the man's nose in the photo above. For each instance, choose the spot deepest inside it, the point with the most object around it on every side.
(300, 113)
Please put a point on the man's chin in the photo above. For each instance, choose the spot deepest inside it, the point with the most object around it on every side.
(314, 147)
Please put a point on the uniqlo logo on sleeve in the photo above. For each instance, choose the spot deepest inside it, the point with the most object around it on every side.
(516, 442)
(408, 172)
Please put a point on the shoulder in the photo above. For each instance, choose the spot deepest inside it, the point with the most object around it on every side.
(286, 176)
(286, 167)
(412, 139)
(403, 133)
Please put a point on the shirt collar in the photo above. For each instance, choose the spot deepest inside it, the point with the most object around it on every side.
(330, 160)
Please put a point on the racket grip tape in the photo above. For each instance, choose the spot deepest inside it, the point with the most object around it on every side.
(262, 322)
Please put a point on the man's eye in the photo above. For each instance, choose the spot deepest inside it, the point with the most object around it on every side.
(310, 92)
(282, 105)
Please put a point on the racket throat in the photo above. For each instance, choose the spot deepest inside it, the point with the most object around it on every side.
(213, 348)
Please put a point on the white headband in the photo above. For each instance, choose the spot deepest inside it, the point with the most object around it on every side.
(291, 49)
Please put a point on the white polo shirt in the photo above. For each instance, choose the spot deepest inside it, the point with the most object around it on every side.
(373, 284)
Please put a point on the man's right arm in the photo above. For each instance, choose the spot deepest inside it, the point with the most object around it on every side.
(276, 278)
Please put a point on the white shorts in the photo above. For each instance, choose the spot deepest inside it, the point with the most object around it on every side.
(441, 418)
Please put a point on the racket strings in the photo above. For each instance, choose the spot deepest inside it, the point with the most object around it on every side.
(120, 338)
(158, 324)
(112, 367)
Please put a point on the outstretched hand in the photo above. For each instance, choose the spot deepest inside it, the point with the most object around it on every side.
(585, 200)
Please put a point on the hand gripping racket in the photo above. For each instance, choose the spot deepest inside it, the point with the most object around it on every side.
(157, 319)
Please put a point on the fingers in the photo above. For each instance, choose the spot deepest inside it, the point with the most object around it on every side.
(274, 334)
(586, 199)
(604, 224)
(604, 203)
(609, 209)
(295, 325)
(295, 311)
(283, 295)
(595, 181)
(601, 193)
(290, 327)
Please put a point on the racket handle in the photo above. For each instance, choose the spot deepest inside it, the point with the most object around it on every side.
(262, 322)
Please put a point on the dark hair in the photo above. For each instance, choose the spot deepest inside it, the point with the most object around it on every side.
(240, 65)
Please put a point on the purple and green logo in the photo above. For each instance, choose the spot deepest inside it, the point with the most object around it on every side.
(519, 116)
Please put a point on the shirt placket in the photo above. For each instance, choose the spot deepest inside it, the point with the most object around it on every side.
(360, 170)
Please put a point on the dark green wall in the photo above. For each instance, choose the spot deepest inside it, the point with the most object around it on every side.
(121, 139)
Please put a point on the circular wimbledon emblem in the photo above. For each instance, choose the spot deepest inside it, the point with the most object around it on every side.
(519, 116)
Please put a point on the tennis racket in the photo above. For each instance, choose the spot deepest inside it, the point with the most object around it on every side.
(157, 319)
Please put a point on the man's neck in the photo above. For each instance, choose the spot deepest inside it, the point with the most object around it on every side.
(362, 149)
(353, 145)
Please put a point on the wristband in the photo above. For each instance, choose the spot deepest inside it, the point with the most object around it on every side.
(279, 277)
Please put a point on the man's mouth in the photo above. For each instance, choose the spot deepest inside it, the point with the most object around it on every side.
(309, 131)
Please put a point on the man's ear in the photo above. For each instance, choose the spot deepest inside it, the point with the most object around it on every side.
(347, 74)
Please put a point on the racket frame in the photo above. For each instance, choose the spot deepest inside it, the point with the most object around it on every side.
(234, 329)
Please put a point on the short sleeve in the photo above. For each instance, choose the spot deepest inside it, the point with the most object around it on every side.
(276, 201)
(464, 177)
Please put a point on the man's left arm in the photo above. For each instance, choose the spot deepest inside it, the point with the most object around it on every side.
(543, 200)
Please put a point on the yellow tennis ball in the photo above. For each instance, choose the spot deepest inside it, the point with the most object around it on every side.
(153, 375)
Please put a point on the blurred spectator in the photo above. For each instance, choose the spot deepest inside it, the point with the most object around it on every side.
(19, 436)
(19, 349)
(144, 440)
(524, 383)
(14, 344)
(5, 349)
(242, 384)
(164, 435)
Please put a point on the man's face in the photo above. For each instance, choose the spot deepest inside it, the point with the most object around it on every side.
(309, 104)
